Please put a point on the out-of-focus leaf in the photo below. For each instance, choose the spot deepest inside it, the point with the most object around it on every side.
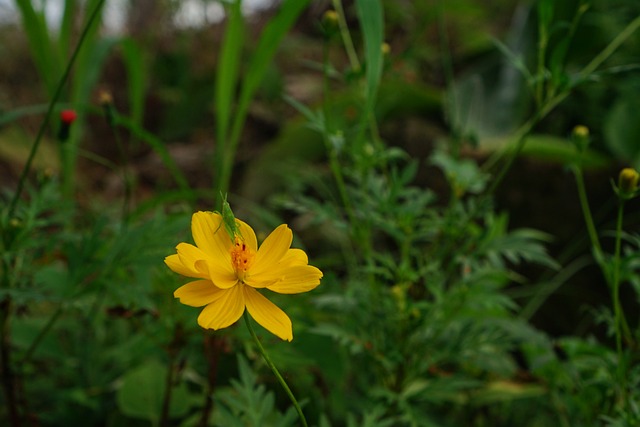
(622, 130)
(142, 393)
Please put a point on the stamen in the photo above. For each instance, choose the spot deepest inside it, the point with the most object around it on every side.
(241, 258)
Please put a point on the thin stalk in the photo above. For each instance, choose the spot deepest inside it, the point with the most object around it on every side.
(334, 163)
(543, 41)
(615, 284)
(212, 349)
(275, 371)
(557, 99)
(449, 77)
(166, 401)
(9, 383)
(586, 212)
(346, 36)
(172, 353)
(360, 233)
(52, 103)
(611, 48)
(621, 326)
(54, 317)
(521, 137)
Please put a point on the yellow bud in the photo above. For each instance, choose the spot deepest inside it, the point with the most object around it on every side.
(581, 131)
(628, 182)
(105, 98)
(386, 49)
(580, 137)
(330, 18)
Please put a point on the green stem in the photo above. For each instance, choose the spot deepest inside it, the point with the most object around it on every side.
(586, 211)
(52, 320)
(557, 99)
(334, 162)
(275, 371)
(620, 318)
(542, 49)
(449, 78)
(611, 48)
(52, 103)
(346, 36)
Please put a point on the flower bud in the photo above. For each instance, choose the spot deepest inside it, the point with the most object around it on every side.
(105, 98)
(67, 117)
(628, 183)
(330, 18)
(386, 49)
(106, 102)
(580, 137)
(330, 22)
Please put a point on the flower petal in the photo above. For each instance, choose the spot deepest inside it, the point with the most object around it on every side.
(198, 293)
(274, 247)
(297, 279)
(294, 257)
(211, 236)
(248, 235)
(223, 278)
(225, 310)
(268, 314)
(189, 256)
(203, 227)
(174, 263)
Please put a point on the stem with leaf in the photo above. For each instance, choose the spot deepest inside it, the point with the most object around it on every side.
(551, 103)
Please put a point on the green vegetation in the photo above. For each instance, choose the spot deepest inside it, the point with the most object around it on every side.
(464, 175)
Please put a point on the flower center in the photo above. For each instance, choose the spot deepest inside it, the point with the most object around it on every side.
(241, 258)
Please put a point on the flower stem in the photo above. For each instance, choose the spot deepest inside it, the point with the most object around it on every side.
(586, 211)
(622, 327)
(275, 371)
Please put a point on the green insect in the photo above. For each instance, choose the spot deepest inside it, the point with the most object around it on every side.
(229, 220)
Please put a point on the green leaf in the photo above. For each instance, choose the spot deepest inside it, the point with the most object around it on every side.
(262, 56)
(43, 51)
(372, 23)
(560, 150)
(227, 76)
(622, 131)
(142, 393)
(134, 62)
(504, 391)
(545, 13)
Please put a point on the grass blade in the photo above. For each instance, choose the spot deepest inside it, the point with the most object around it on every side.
(134, 62)
(372, 24)
(227, 76)
(43, 51)
(260, 60)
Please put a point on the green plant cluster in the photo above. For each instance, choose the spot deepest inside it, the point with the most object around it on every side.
(425, 313)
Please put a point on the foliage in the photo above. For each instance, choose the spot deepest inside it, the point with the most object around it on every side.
(424, 313)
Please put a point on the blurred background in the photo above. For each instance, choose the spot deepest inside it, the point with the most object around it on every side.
(456, 73)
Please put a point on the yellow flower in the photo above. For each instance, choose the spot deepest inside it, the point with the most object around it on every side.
(231, 272)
